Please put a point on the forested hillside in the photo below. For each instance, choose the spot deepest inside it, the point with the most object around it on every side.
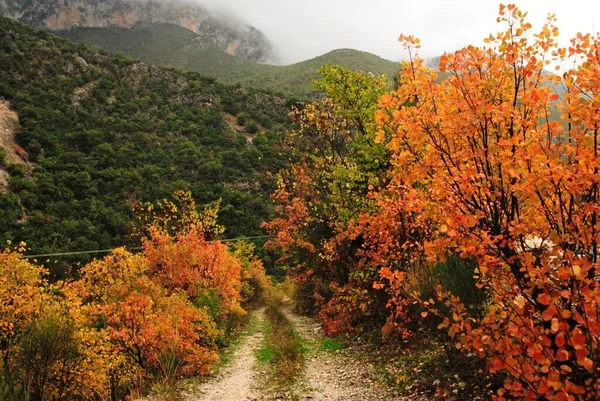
(170, 45)
(103, 132)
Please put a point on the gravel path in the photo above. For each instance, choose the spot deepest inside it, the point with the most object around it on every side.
(237, 381)
(327, 375)
(335, 375)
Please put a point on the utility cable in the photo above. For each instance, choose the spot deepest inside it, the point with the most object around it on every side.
(48, 255)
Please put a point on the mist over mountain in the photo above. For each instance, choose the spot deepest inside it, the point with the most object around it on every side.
(226, 32)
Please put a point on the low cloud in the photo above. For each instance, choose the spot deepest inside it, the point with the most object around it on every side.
(308, 28)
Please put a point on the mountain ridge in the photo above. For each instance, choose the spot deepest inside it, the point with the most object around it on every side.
(234, 37)
(172, 46)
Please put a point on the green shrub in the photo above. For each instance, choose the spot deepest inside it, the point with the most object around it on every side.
(15, 170)
(48, 354)
(252, 128)
(211, 302)
(242, 119)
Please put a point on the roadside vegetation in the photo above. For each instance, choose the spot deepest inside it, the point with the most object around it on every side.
(454, 219)
(286, 345)
(127, 323)
(283, 350)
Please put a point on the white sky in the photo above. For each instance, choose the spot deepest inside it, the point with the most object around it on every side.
(302, 29)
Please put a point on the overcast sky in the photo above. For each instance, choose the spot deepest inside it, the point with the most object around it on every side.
(302, 29)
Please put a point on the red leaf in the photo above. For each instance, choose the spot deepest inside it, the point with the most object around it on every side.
(562, 355)
(549, 313)
(544, 299)
(578, 339)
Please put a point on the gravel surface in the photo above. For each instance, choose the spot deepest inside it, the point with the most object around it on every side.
(335, 375)
(341, 375)
(237, 381)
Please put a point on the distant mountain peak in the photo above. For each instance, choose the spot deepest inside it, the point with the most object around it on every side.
(235, 37)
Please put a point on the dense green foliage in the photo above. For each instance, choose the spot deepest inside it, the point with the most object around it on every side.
(170, 45)
(105, 131)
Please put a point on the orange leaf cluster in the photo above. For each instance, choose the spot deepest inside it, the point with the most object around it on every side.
(493, 161)
(516, 190)
(127, 319)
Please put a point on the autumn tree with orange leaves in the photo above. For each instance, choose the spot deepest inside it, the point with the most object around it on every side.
(320, 199)
(502, 182)
(494, 161)
(128, 320)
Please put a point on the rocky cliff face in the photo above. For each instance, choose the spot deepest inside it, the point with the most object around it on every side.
(237, 39)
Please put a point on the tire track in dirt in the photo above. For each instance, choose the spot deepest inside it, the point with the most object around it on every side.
(238, 380)
(335, 376)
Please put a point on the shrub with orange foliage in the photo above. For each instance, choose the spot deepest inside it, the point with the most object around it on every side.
(502, 182)
(196, 266)
(144, 321)
(320, 198)
(481, 167)
(181, 253)
(23, 295)
(47, 351)
(128, 319)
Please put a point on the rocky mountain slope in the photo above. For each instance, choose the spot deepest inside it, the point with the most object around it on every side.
(173, 46)
(182, 34)
(234, 37)
(99, 133)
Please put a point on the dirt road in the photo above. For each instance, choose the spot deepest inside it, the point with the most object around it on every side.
(327, 375)
(335, 375)
(236, 381)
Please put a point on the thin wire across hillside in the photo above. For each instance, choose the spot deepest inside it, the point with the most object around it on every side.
(137, 248)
